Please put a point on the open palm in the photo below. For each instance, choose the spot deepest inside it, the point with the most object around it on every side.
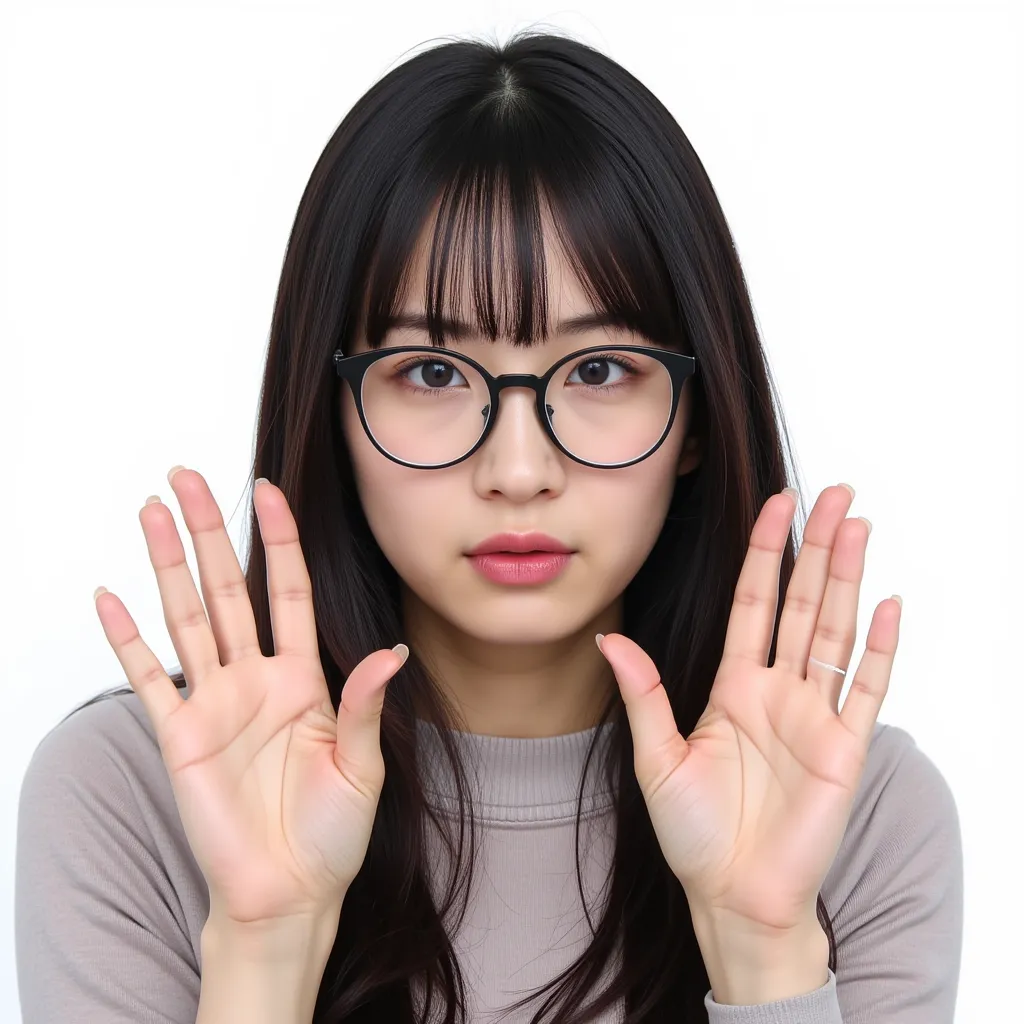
(277, 793)
(750, 809)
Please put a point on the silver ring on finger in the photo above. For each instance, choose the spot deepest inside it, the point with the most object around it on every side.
(831, 668)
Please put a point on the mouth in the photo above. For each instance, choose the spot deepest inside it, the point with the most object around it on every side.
(512, 544)
(521, 568)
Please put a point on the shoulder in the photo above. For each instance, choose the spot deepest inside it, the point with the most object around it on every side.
(110, 738)
(105, 880)
(898, 771)
(901, 792)
(96, 808)
(99, 775)
(894, 897)
(97, 779)
(904, 816)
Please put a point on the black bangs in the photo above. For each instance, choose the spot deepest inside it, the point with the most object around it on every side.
(518, 174)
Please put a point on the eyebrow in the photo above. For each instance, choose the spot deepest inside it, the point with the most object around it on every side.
(460, 330)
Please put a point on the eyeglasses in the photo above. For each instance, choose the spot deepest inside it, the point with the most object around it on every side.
(427, 408)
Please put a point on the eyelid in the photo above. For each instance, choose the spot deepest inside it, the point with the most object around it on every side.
(568, 359)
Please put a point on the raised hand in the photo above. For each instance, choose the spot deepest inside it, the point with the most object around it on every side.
(750, 809)
(277, 793)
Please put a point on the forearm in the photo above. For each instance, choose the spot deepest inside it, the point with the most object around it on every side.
(266, 975)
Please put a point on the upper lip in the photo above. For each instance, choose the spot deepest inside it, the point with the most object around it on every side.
(520, 543)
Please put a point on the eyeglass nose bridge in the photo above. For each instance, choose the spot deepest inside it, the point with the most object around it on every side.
(532, 382)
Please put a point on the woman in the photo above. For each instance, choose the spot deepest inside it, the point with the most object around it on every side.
(612, 780)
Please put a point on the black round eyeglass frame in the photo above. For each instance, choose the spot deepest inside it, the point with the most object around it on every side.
(351, 369)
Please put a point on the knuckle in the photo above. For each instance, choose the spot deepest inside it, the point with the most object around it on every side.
(194, 618)
(228, 589)
(834, 635)
(746, 597)
(151, 674)
(800, 603)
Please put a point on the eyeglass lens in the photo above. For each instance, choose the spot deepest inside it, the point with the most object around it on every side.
(607, 407)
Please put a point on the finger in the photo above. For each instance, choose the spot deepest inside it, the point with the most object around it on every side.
(836, 630)
(157, 692)
(752, 618)
(871, 683)
(220, 576)
(658, 747)
(184, 613)
(291, 593)
(802, 606)
(357, 753)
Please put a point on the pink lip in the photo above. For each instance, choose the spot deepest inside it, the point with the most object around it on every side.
(521, 569)
(520, 543)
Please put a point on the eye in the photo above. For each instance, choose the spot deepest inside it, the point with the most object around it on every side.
(437, 376)
(595, 371)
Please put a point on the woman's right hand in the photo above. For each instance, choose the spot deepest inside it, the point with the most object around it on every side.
(277, 793)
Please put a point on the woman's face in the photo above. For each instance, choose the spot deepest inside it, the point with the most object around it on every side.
(426, 521)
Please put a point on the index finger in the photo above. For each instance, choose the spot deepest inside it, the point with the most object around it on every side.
(291, 593)
(220, 576)
(752, 619)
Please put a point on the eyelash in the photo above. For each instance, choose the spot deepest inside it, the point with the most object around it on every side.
(401, 370)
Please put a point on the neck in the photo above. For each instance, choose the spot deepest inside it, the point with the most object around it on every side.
(520, 690)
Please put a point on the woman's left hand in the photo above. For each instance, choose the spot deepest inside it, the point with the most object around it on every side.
(750, 809)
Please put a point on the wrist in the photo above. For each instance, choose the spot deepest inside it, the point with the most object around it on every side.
(748, 965)
(270, 937)
(297, 939)
(263, 971)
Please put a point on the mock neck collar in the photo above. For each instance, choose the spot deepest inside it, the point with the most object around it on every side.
(517, 779)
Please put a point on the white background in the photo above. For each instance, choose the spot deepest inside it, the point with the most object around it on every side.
(868, 158)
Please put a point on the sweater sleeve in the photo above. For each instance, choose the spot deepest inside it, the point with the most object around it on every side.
(899, 930)
(818, 1007)
(100, 934)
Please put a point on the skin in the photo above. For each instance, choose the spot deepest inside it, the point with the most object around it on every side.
(516, 661)
(277, 792)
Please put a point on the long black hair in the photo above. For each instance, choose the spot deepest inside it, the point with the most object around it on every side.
(478, 133)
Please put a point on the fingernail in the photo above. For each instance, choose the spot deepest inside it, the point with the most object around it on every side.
(598, 639)
(99, 590)
(792, 492)
(152, 498)
(172, 471)
(866, 520)
(261, 480)
(402, 651)
(898, 599)
(853, 493)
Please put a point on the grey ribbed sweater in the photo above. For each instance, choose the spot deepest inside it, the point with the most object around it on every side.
(110, 903)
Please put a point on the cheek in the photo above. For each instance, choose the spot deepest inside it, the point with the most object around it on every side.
(408, 511)
(633, 502)
(371, 469)
(630, 508)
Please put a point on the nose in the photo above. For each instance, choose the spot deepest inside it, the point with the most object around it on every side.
(518, 459)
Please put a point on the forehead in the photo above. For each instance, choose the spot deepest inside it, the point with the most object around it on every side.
(565, 295)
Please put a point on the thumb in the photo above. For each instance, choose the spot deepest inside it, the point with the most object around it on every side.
(361, 705)
(658, 746)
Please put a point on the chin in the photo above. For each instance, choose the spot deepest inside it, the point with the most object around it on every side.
(538, 632)
(525, 615)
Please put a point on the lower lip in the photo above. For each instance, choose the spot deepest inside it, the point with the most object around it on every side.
(521, 570)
